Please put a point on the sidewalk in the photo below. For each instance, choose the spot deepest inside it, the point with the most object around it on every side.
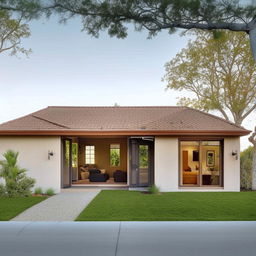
(128, 238)
(65, 206)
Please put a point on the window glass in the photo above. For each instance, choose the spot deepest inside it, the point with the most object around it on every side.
(74, 154)
(210, 164)
(90, 154)
(114, 155)
(189, 163)
(200, 163)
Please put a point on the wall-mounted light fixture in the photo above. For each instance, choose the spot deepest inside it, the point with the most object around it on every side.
(235, 154)
(50, 153)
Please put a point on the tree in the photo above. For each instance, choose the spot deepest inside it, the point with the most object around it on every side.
(11, 33)
(157, 15)
(152, 15)
(220, 74)
(246, 158)
(252, 139)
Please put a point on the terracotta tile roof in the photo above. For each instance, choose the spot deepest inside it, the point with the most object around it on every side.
(110, 119)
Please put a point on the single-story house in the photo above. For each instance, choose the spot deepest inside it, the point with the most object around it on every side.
(176, 148)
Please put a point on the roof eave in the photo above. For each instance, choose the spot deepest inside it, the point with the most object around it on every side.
(123, 132)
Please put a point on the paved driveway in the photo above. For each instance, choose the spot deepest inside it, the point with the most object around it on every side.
(128, 238)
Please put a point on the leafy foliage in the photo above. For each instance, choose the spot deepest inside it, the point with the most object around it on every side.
(16, 181)
(220, 74)
(50, 192)
(246, 158)
(38, 191)
(154, 190)
(114, 157)
(143, 156)
(154, 15)
(74, 154)
(11, 32)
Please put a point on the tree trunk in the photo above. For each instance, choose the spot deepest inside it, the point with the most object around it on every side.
(252, 35)
(252, 139)
(254, 169)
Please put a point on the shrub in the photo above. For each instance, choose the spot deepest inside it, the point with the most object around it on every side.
(16, 181)
(153, 190)
(38, 191)
(49, 192)
(246, 168)
(2, 190)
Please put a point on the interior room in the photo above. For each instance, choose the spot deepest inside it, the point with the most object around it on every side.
(201, 163)
(98, 161)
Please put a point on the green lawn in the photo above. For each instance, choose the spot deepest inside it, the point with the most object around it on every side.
(11, 207)
(181, 206)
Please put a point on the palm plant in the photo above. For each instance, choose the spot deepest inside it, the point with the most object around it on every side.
(16, 181)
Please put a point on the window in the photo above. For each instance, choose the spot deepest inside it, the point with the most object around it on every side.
(74, 154)
(114, 155)
(90, 154)
(200, 163)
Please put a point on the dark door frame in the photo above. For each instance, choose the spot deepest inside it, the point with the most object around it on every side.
(134, 158)
(63, 150)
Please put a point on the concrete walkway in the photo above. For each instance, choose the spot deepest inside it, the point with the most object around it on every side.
(128, 238)
(65, 206)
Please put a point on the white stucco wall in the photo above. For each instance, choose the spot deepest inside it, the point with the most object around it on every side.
(33, 155)
(166, 163)
(231, 165)
(167, 166)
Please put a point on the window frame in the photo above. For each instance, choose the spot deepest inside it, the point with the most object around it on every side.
(221, 161)
(110, 154)
(85, 154)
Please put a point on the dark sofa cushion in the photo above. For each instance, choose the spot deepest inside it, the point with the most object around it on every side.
(120, 176)
(98, 177)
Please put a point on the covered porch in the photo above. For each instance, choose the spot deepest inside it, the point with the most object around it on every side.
(107, 161)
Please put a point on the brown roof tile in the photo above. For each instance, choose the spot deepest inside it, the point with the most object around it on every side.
(85, 119)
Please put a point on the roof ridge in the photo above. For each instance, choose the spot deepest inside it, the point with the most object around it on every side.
(216, 117)
(115, 107)
(60, 125)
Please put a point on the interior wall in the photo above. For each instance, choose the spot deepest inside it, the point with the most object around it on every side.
(204, 150)
(102, 153)
(192, 164)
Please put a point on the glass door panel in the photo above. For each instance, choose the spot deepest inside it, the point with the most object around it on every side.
(67, 163)
(211, 163)
(143, 164)
(201, 163)
(189, 163)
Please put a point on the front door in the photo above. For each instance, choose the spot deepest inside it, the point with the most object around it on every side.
(141, 162)
(66, 163)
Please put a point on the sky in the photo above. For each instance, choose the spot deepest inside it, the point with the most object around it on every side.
(70, 68)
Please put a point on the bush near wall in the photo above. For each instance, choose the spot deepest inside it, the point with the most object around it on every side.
(246, 168)
(16, 183)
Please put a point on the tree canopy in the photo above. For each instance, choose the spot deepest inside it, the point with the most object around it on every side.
(11, 32)
(220, 73)
(152, 15)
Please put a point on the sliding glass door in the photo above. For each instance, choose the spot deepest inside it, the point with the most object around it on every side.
(141, 162)
(201, 163)
(66, 163)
